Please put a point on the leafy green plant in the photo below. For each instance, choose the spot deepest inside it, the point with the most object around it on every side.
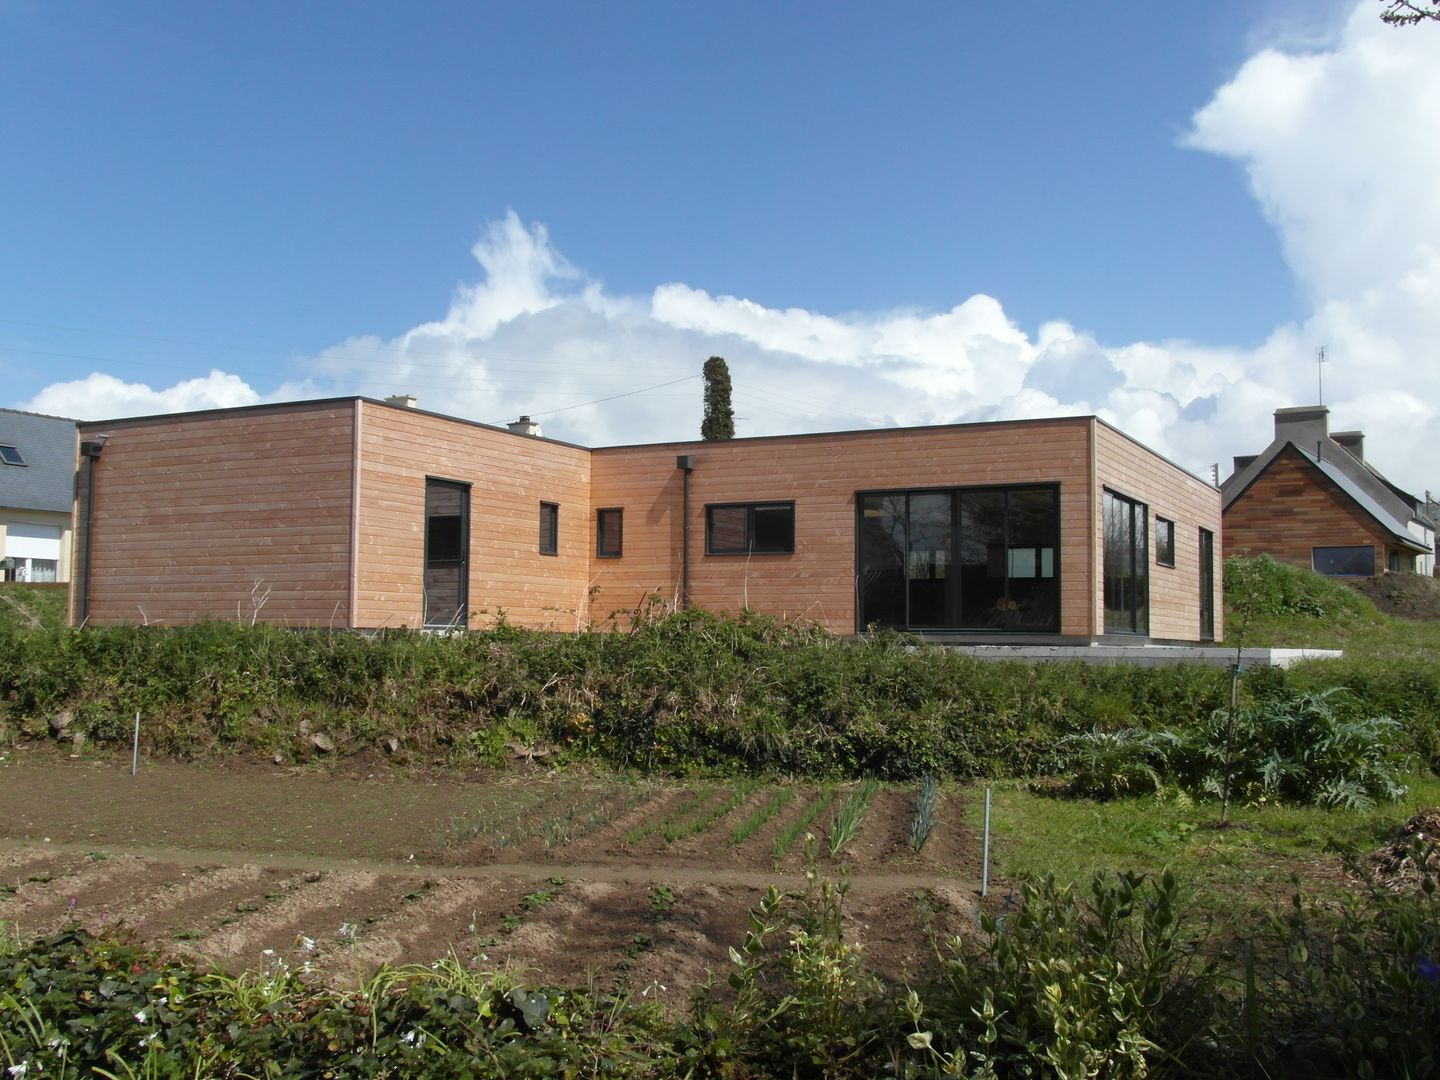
(1298, 749)
(1079, 985)
(1342, 994)
(1113, 764)
(847, 819)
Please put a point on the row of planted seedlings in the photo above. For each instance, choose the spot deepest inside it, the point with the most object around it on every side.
(546, 816)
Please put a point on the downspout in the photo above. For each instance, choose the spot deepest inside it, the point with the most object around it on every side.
(685, 463)
(354, 574)
(90, 451)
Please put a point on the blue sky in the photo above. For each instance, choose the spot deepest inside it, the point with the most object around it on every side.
(910, 214)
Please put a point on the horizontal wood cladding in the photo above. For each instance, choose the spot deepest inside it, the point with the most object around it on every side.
(241, 515)
(1291, 508)
(509, 477)
(1128, 468)
(821, 475)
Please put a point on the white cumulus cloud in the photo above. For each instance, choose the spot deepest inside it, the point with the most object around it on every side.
(1338, 141)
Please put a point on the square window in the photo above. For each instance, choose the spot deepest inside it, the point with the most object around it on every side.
(1164, 541)
(750, 529)
(11, 455)
(609, 524)
(549, 528)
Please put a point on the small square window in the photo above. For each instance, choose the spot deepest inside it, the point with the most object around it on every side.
(609, 524)
(1164, 541)
(11, 455)
(549, 528)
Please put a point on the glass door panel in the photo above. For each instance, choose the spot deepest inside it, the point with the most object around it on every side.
(882, 561)
(1031, 540)
(932, 587)
(447, 547)
(982, 559)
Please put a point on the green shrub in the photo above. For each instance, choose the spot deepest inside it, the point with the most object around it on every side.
(1296, 750)
(1078, 986)
(1112, 764)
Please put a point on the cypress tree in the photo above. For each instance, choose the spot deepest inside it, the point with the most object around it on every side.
(719, 421)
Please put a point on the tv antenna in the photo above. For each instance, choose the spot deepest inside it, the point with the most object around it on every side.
(1320, 374)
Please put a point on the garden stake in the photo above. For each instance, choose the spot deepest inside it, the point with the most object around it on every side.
(135, 746)
(985, 851)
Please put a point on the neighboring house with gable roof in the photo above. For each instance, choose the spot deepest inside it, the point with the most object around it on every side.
(37, 490)
(1312, 500)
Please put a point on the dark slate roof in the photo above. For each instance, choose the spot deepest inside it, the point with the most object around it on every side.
(1397, 528)
(47, 479)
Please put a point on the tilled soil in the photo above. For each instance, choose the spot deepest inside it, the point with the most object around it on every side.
(246, 865)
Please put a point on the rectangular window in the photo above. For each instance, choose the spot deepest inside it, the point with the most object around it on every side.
(549, 528)
(11, 455)
(1164, 541)
(750, 529)
(609, 524)
(1356, 561)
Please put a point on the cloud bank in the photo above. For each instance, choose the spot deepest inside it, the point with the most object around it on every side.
(1339, 147)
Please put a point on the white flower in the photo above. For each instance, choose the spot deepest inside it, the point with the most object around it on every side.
(19, 1071)
(141, 1018)
(307, 943)
(267, 952)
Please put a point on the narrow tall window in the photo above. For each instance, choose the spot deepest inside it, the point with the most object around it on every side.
(1164, 541)
(609, 525)
(1127, 609)
(549, 528)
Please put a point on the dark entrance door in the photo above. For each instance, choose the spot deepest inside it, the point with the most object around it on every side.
(447, 547)
(1207, 585)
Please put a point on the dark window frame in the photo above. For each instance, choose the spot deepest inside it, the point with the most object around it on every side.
(549, 520)
(957, 492)
(617, 514)
(11, 455)
(750, 509)
(1164, 549)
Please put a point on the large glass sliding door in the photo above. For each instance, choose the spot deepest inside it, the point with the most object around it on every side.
(959, 559)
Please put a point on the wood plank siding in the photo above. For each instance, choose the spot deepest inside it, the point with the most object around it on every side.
(1292, 508)
(1128, 468)
(821, 474)
(509, 476)
(324, 504)
(201, 516)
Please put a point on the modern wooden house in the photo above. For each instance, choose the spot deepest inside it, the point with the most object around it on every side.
(366, 514)
(1311, 499)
